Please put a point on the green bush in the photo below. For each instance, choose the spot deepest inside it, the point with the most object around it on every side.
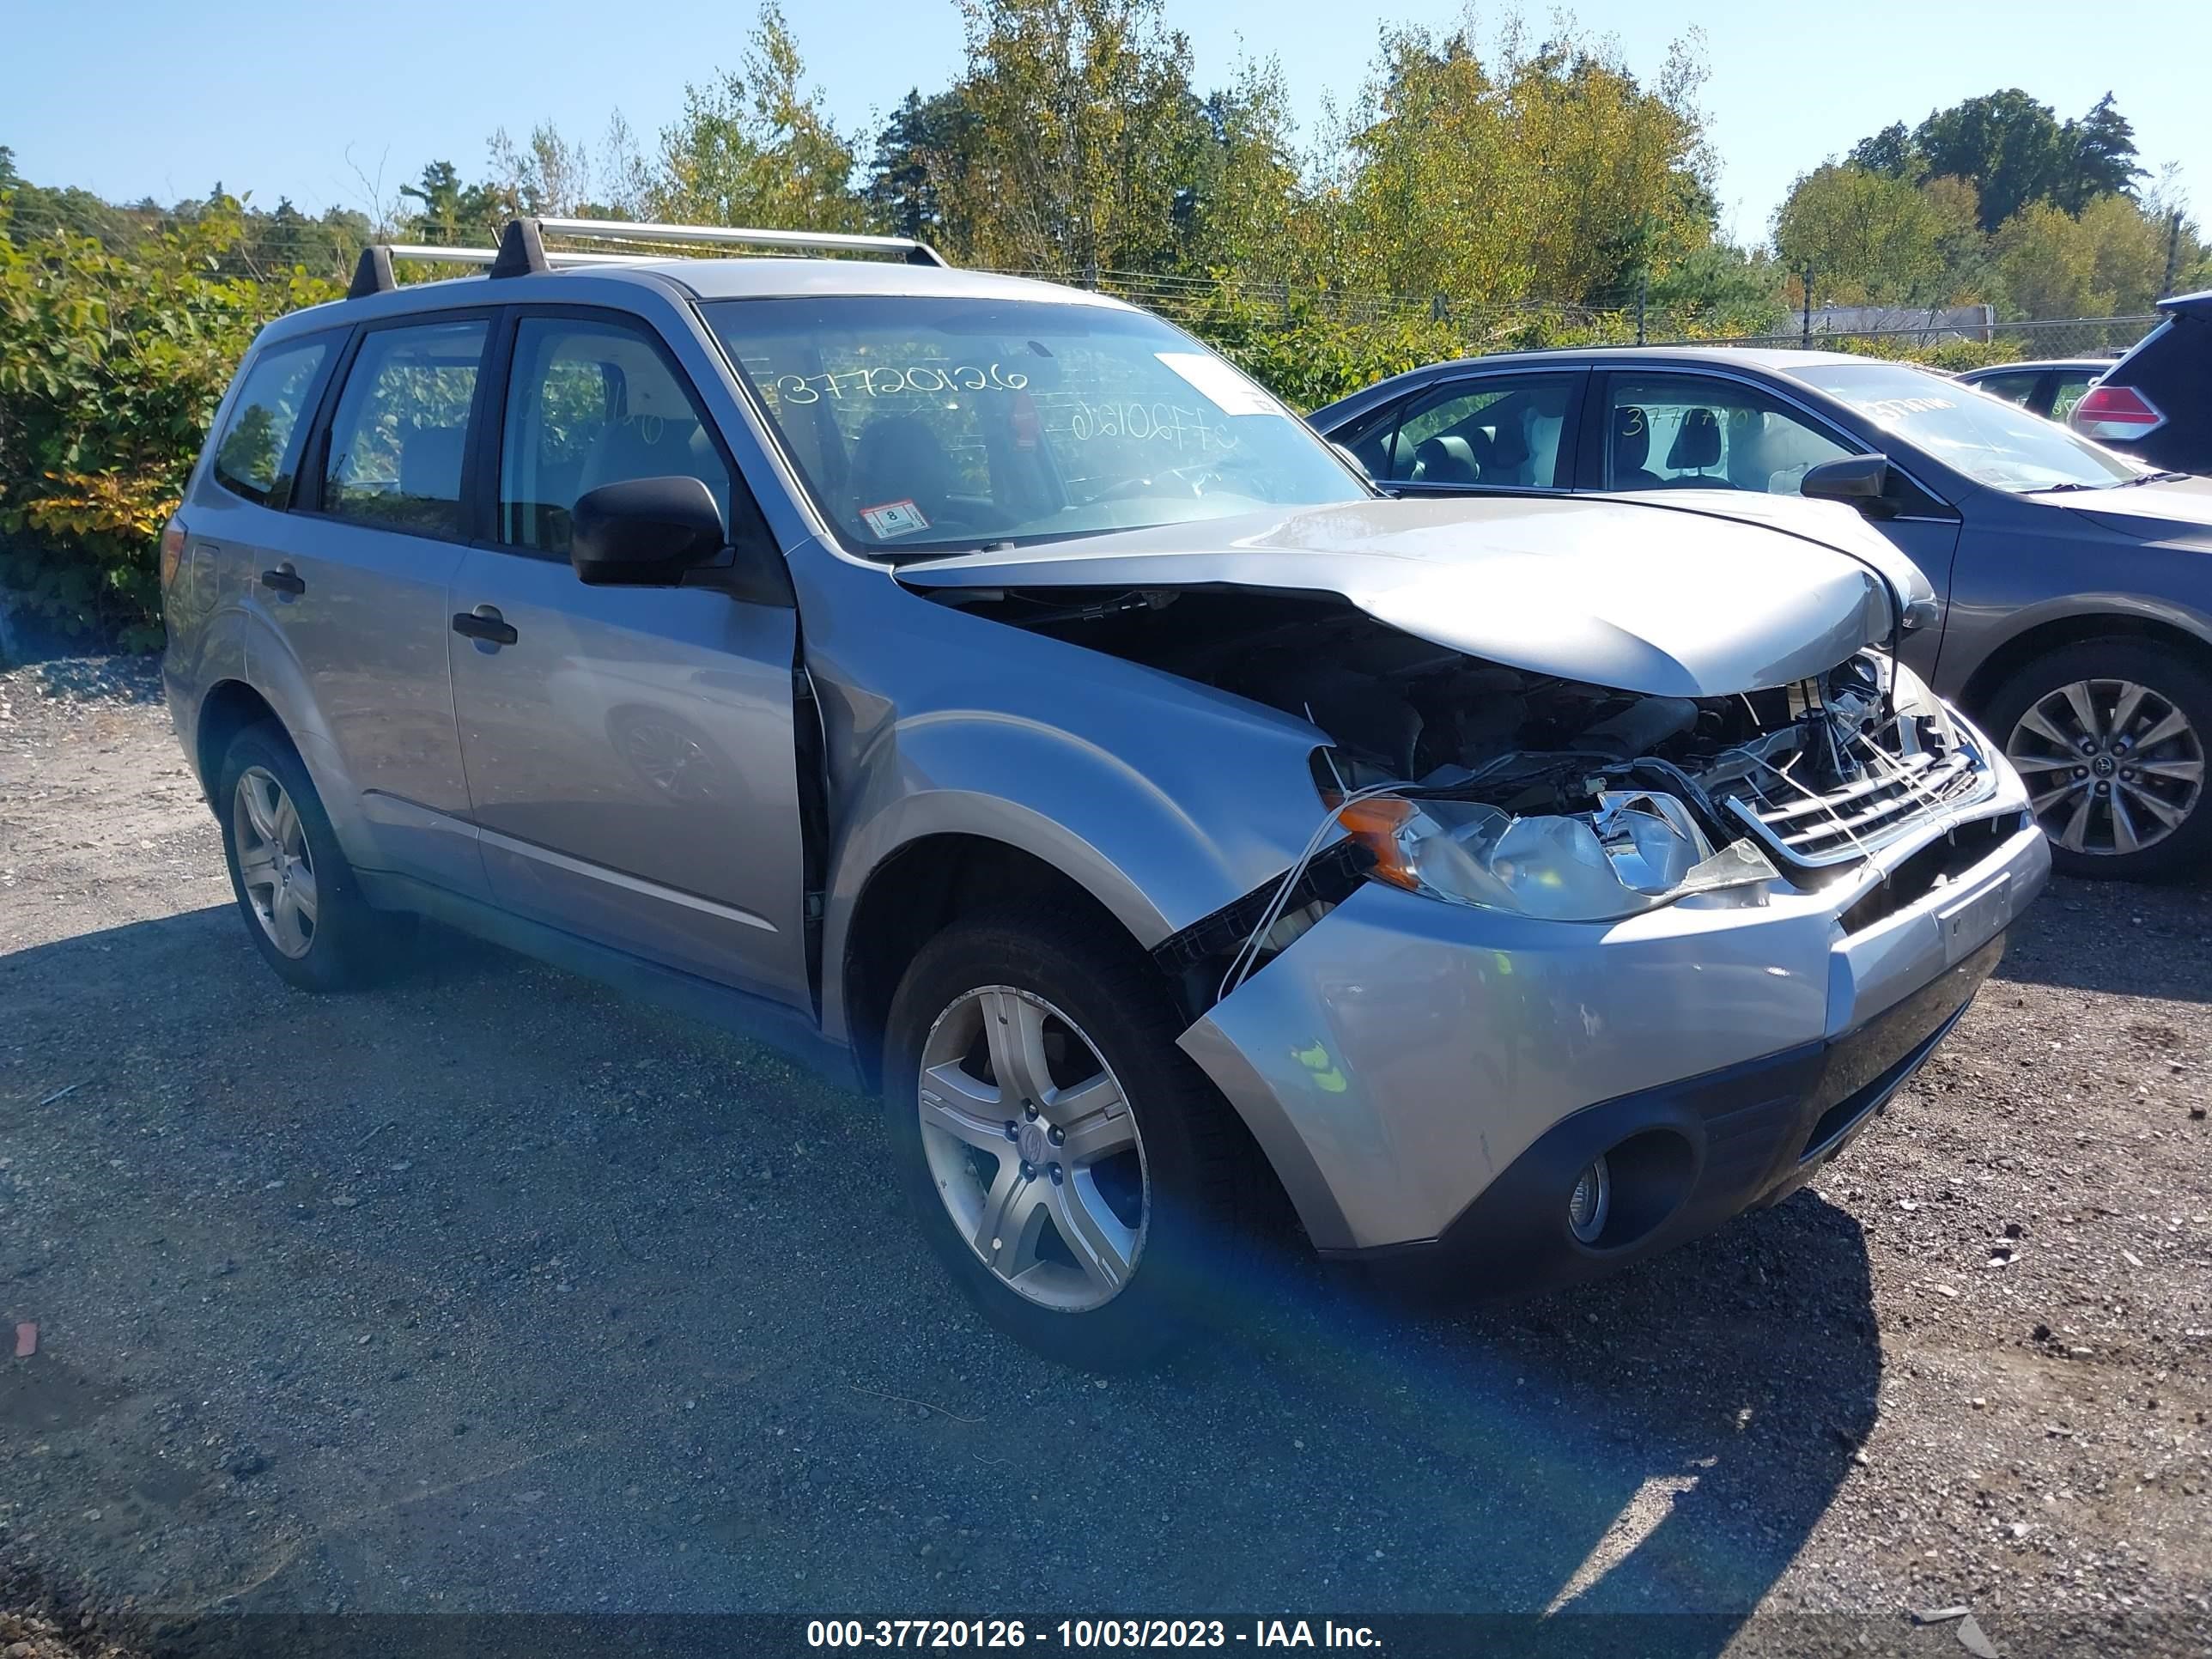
(112, 364)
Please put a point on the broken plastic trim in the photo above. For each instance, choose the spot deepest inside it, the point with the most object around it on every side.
(1194, 957)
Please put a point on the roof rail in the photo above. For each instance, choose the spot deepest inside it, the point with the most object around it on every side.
(522, 248)
(622, 230)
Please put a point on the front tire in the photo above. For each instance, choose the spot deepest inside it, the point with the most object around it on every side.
(303, 907)
(1078, 1175)
(2110, 736)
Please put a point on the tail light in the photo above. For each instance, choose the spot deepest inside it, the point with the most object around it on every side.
(172, 550)
(2115, 413)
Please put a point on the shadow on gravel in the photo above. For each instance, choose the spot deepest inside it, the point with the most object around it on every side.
(494, 1283)
(2126, 939)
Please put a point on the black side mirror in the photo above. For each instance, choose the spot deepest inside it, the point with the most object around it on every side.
(1859, 481)
(644, 532)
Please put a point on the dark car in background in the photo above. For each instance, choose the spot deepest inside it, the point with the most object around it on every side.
(2049, 387)
(2155, 403)
(2073, 584)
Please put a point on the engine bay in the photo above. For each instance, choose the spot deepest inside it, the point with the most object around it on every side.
(1449, 725)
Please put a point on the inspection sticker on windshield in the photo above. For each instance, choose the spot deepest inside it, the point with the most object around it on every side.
(893, 519)
(1220, 385)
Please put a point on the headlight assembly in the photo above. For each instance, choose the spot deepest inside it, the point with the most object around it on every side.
(1636, 852)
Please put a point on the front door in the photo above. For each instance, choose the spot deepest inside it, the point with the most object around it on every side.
(1669, 430)
(629, 750)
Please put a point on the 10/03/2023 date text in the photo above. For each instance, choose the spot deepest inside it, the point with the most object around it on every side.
(1085, 1634)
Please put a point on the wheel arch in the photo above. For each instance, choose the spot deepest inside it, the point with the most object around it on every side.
(918, 889)
(229, 707)
(2040, 638)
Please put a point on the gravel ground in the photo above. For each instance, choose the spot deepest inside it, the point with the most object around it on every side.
(492, 1290)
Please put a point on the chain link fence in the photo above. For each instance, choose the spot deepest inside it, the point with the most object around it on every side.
(1476, 329)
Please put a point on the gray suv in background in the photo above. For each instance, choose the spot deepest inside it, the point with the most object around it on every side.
(982, 690)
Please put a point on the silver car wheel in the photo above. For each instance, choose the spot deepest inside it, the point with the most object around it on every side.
(2112, 767)
(274, 866)
(1032, 1146)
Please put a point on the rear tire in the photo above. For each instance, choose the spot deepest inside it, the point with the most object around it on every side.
(2144, 712)
(1130, 1227)
(302, 905)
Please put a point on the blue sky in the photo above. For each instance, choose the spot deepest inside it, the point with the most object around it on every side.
(133, 98)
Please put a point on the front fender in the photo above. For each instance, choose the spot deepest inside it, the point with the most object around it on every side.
(1999, 629)
(1154, 846)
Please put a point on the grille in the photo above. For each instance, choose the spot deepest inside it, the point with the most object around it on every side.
(1897, 792)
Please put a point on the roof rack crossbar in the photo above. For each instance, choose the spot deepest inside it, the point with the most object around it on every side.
(522, 248)
(622, 230)
(374, 273)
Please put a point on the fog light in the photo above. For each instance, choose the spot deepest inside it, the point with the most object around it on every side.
(1590, 1201)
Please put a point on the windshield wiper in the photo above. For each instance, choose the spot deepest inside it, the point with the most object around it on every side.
(2154, 477)
(2061, 488)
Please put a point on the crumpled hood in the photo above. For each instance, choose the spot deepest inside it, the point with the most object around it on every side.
(1665, 599)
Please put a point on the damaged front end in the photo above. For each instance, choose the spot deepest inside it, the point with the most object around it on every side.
(1545, 797)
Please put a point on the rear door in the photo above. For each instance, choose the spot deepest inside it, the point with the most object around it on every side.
(352, 584)
(629, 750)
(1509, 432)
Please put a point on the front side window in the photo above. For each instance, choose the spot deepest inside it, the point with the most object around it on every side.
(592, 404)
(1502, 430)
(2018, 388)
(401, 432)
(939, 424)
(1684, 432)
(1991, 442)
(259, 446)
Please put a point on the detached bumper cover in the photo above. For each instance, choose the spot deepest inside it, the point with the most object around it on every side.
(1406, 1055)
(1753, 1134)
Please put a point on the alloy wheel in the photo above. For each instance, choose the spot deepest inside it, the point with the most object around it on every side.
(274, 866)
(2112, 767)
(1033, 1148)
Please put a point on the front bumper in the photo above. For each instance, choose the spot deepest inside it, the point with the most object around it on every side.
(1418, 1073)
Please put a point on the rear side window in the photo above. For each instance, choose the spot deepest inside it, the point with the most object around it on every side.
(401, 431)
(592, 404)
(260, 443)
(1499, 431)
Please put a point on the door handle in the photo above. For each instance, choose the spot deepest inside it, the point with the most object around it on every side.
(485, 623)
(284, 579)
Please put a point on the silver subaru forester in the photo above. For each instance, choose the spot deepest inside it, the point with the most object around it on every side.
(980, 688)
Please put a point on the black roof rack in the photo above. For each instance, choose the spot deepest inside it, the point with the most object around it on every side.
(522, 250)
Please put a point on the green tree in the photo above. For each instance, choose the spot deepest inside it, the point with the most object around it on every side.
(922, 143)
(756, 146)
(1248, 212)
(1082, 132)
(2101, 157)
(1890, 152)
(2109, 260)
(2008, 146)
(1870, 238)
(110, 365)
(1552, 173)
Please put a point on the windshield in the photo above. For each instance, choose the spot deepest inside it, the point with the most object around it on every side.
(939, 424)
(1991, 441)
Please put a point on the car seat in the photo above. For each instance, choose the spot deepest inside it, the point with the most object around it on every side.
(1446, 461)
(899, 459)
(1632, 448)
(1697, 446)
